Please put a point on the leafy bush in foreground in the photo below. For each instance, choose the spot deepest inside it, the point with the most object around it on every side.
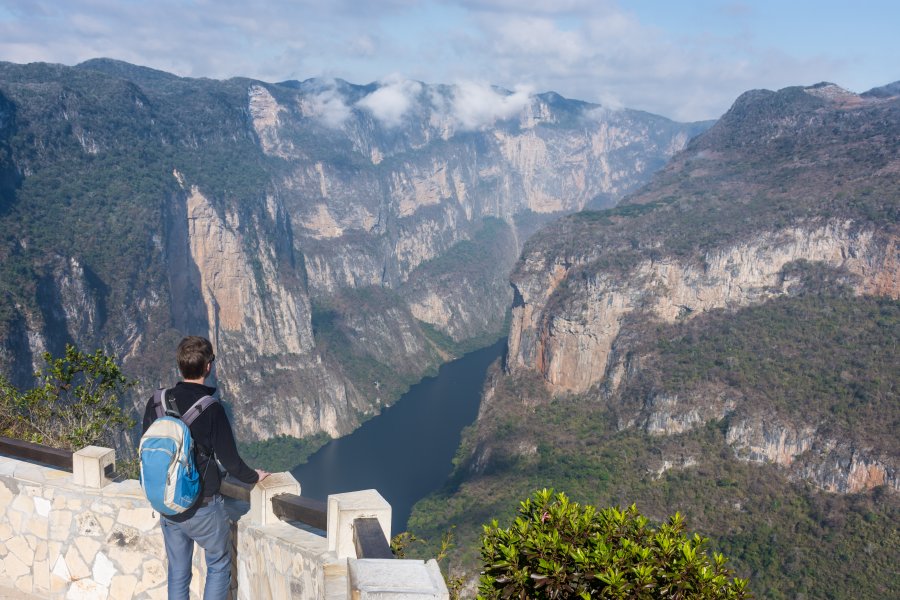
(76, 402)
(560, 549)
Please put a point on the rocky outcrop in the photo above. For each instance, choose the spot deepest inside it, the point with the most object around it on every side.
(256, 306)
(766, 439)
(570, 335)
(264, 111)
(262, 328)
(571, 346)
(833, 465)
(787, 178)
(239, 209)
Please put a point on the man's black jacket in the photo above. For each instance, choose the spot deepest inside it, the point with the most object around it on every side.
(212, 433)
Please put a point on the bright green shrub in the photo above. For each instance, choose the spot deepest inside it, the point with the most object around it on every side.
(76, 403)
(560, 549)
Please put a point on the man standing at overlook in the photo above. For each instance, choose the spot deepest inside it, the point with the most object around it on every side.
(205, 522)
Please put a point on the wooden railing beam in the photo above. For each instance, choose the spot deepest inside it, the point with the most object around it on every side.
(290, 507)
(369, 539)
(36, 452)
(233, 488)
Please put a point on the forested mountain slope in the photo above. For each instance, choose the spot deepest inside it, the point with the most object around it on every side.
(334, 241)
(724, 344)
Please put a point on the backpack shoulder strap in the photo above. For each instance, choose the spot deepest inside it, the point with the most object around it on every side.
(159, 397)
(196, 409)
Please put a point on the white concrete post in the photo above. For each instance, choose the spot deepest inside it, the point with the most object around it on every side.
(262, 493)
(383, 579)
(343, 509)
(89, 466)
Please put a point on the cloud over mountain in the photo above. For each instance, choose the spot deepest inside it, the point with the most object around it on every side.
(596, 50)
(328, 105)
(477, 105)
(390, 102)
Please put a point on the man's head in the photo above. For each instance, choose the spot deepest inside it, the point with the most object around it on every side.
(195, 353)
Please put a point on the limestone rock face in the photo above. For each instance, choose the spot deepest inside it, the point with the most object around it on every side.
(572, 344)
(264, 110)
(571, 347)
(833, 465)
(272, 319)
(269, 216)
(784, 178)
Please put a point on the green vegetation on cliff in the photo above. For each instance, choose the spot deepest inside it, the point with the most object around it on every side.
(809, 379)
(282, 452)
(94, 157)
(761, 168)
(75, 404)
(788, 537)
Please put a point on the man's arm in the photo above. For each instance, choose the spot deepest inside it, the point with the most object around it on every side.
(226, 450)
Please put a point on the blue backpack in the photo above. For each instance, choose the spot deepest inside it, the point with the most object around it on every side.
(168, 467)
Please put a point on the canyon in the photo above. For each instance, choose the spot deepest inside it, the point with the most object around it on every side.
(571, 312)
(335, 241)
(723, 343)
(702, 317)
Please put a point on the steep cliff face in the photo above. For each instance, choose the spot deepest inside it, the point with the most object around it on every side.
(722, 229)
(833, 465)
(252, 306)
(571, 345)
(722, 344)
(261, 318)
(329, 238)
(409, 186)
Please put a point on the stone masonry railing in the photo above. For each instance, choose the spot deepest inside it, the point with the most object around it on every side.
(79, 535)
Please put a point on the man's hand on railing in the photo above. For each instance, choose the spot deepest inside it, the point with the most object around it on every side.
(262, 474)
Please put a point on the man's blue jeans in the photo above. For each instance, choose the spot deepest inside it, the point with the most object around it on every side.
(208, 527)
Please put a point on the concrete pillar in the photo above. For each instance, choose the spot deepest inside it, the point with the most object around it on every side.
(262, 493)
(343, 509)
(374, 579)
(89, 466)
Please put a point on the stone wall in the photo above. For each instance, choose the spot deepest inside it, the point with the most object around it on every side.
(80, 536)
(62, 540)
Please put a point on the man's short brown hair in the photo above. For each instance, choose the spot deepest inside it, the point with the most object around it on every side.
(194, 353)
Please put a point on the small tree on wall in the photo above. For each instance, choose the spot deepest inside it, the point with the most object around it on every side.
(75, 404)
(559, 549)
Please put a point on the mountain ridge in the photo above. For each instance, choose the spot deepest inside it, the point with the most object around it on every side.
(258, 214)
(721, 343)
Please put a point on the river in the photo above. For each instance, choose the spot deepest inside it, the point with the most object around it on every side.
(406, 452)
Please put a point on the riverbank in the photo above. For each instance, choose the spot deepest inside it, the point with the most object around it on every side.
(406, 452)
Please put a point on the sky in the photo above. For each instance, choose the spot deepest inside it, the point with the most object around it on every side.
(687, 60)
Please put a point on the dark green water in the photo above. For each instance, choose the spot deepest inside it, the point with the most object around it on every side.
(405, 452)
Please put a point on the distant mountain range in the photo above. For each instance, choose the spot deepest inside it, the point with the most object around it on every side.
(335, 241)
(723, 343)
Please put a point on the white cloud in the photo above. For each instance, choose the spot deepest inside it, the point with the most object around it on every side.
(640, 55)
(391, 101)
(609, 104)
(328, 106)
(477, 105)
(364, 45)
(537, 36)
(609, 56)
